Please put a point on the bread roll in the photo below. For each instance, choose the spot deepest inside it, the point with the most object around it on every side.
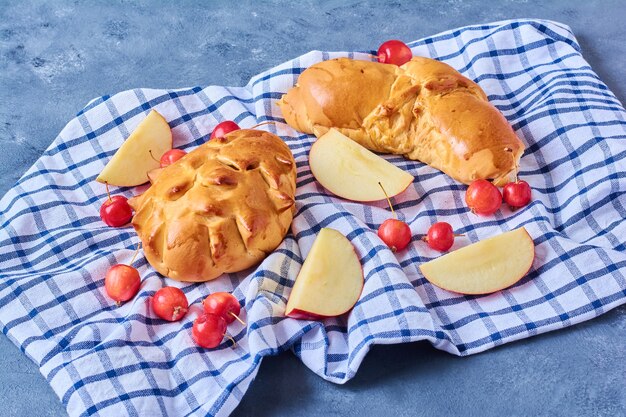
(424, 110)
(221, 208)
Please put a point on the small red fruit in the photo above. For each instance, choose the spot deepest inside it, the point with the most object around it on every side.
(224, 128)
(223, 304)
(517, 194)
(170, 303)
(208, 330)
(115, 212)
(122, 282)
(395, 233)
(440, 236)
(171, 156)
(394, 52)
(483, 198)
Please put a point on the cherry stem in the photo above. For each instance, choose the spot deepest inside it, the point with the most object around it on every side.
(425, 237)
(106, 184)
(152, 156)
(373, 56)
(231, 339)
(268, 122)
(237, 318)
(388, 200)
(135, 254)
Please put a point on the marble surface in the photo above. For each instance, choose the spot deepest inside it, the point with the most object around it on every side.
(57, 55)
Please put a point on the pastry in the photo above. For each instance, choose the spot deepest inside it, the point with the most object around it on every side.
(221, 208)
(424, 110)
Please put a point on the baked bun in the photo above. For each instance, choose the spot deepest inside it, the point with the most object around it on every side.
(425, 110)
(221, 208)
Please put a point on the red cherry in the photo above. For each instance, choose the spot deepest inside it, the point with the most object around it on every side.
(122, 282)
(115, 211)
(208, 330)
(517, 194)
(394, 52)
(170, 303)
(224, 128)
(224, 305)
(483, 198)
(395, 233)
(440, 236)
(171, 156)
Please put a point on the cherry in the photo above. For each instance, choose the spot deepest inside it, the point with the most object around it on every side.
(440, 236)
(208, 330)
(171, 156)
(394, 52)
(224, 128)
(517, 194)
(115, 212)
(170, 303)
(483, 198)
(395, 233)
(122, 282)
(224, 305)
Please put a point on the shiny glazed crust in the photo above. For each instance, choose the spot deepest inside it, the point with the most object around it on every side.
(221, 208)
(424, 110)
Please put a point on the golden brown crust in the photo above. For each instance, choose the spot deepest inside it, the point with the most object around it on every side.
(424, 110)
(221, 208)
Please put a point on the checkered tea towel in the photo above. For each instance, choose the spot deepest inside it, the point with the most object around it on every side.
(106, 360)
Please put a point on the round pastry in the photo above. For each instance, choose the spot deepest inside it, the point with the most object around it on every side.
(221, 208)
(425, 110)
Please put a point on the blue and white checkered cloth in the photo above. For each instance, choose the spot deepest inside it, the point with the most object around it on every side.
(112, 361)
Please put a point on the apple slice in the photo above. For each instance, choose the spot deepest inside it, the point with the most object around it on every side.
(348, 170)
(132, 161)
(483, 267)
(330, 281)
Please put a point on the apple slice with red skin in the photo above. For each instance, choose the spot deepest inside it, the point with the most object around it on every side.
(351, 171)
(483, 267)
(330, 281)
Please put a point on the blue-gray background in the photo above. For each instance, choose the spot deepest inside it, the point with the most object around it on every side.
(57, 55)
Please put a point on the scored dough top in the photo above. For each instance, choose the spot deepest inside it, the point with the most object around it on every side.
(221, 208)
